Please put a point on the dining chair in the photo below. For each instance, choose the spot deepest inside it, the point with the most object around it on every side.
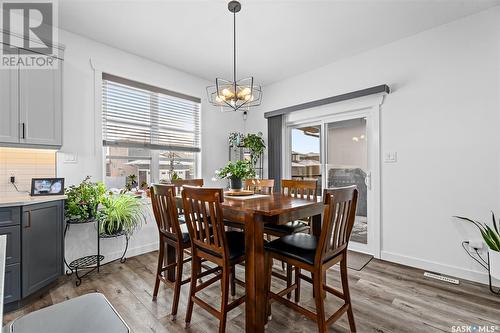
(210, 241)
(260, 186)
(173, 233)
(316, 255)
(304, 189)
(179, 185)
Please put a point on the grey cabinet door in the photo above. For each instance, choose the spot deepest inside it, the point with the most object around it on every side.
(42, 252)
(12, 283)
(9, 110)
(40, 105)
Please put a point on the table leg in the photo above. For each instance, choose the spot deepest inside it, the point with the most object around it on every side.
(170, 258)
(255, 301)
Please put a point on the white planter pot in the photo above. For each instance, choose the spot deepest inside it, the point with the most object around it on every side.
(495, 264)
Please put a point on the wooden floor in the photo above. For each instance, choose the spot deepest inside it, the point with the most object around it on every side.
(386, 298)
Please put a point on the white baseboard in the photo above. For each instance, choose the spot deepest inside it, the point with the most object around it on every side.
(133, 251)
(457, 272)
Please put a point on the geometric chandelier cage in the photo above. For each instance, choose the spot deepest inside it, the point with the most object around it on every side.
(236, 94)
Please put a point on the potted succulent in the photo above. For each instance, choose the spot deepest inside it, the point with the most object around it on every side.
(255, 143)
(491, 237)
(83, 200)
(120, 214)
(236, 172)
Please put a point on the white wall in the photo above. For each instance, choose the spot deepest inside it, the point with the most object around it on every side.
(81, 135)
(442, 119)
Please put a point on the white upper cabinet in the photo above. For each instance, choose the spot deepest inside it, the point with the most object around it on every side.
(9, 110)
(40, 106)
(30, 107)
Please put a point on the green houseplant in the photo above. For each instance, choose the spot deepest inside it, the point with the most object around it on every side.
(491, 236)
(83, 200)
(256, 144)
(235, 172)
(121, 213)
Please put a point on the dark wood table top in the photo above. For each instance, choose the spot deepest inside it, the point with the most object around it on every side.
(269, 205)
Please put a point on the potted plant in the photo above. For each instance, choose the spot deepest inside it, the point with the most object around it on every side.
(235, 172)
(256, 144)
(131, 182)
(491, 237)
(83, 200)
(120, 214)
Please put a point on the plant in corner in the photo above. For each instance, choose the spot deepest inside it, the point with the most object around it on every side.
(491, 237)
(83, 200)
(256, 144)
(119, 214)
(235, 172)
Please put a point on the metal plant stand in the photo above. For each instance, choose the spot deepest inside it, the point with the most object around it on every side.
(485, 263)
(91, 263)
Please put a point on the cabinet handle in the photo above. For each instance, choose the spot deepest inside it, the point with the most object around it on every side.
(29, 220)
(24, 132)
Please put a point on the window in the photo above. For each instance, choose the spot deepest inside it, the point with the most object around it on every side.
(148, 132)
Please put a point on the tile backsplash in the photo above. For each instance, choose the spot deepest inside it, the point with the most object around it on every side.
(24, 164)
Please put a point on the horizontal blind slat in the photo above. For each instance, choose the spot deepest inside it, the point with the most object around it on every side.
(134, 117)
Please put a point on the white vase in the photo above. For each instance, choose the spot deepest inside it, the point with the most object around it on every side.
(495, 264)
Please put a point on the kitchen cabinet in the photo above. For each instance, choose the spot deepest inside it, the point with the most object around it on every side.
(42, 234)
(40, 110)
(9, 110)
(35, 248)
(31, 104)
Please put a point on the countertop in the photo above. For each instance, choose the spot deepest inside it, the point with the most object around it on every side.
(22, 200)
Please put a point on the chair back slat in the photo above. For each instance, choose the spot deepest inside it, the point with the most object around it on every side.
(180, 183)
(263, 186)
(338, 221)
(165, 210)
(204, 219)
(304, 189)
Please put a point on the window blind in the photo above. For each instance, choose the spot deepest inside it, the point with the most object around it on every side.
(137, 115)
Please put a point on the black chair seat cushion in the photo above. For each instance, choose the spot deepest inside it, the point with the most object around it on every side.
(288, 228)
(301, 247)
(235, 244)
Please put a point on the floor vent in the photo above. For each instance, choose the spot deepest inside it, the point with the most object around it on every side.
(441, 278)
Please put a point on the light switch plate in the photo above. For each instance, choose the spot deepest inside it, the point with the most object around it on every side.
(70, 158)
(391, 157)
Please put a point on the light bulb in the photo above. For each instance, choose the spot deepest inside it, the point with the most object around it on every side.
(219, 99)
(247, 97)
(355, 139)
(246, 91)
(226, 92)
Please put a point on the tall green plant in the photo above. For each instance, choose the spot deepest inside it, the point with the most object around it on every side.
(491, 236)
(121, 213)
(83, 200)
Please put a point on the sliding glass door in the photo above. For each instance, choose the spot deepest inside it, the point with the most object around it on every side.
(347, 164)
(305, 157)
(337, 151)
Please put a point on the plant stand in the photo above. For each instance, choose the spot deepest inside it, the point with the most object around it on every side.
(485, 263)
(91, 263)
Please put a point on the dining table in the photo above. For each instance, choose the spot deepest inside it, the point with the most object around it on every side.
(252, 213)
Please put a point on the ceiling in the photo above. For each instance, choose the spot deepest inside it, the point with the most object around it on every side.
(275, 39)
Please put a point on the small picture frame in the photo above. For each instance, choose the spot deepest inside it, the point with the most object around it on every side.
(47, 186)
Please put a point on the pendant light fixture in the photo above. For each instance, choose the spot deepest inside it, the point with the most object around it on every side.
(236, 94)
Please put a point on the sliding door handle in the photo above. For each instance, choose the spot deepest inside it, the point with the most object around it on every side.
(23, 130)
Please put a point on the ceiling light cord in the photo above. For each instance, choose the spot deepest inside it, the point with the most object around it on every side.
(234, 51)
